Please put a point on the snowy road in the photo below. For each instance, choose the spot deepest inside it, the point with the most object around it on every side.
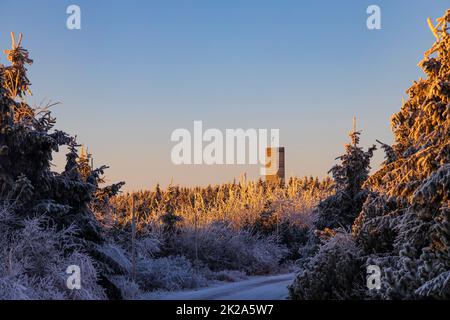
(256, 288)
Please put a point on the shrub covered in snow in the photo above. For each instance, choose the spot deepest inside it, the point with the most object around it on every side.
(220, 247)
(168, 273)
(130, 289)
(34, 257)
(290, 231)
(328, 274)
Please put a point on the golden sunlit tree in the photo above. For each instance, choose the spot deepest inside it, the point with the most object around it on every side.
(404, 225)
(409, 219)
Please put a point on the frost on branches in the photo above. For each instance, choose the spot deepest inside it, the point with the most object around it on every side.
(404, 225)
(38, 206)
(331, 259)
(340, 209)
(412, 220)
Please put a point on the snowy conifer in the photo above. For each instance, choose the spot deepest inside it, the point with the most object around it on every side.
(409, 219)
(28, 187)
(340, 209)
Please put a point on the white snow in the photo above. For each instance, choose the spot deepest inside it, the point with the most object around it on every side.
(256, 288)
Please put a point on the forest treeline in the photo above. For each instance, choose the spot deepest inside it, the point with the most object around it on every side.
(240, 203)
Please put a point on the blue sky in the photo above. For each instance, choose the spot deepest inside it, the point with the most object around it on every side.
(137, 70)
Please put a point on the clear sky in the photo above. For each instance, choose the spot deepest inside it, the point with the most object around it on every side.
(137, 70)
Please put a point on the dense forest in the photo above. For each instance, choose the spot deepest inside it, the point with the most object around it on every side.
(329, 230)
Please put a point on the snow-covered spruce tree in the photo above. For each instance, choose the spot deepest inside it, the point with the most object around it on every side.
(341, 209)
(330, 261)
(28, 188)
(406, 226)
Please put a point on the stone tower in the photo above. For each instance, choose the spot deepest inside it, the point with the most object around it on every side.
(275, 169)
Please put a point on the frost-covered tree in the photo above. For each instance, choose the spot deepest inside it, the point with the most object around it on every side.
(28, 186)
(406, 225)
(330, 260)
(340, 209)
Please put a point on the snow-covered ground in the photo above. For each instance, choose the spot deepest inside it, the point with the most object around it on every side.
(255, 288)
